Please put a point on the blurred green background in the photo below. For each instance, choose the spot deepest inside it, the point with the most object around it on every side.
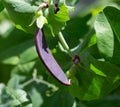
(19, 60)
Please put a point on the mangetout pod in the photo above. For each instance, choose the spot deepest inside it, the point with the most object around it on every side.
(47, 58)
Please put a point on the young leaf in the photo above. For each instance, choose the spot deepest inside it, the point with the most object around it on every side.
(41, 20)
(57, 20)
(48, 59)
(62, 12)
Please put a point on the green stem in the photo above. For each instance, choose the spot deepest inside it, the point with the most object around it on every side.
(38, 80)
(64, 44)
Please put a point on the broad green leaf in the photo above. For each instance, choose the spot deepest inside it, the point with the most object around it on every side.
(105, 36)
(113, 16)
(95, 78)
(22, 13)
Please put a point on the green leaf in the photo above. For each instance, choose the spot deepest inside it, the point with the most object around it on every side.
(95, 78)
(113, 16)
(37, 91)
(19, 49)
(20, 97)
(26, 69)
(59, 99)
(97, 71)
(21, 6)
(92, 40)
(57, 21)
(109, 101)
(19, 74)
(75, 30)
(34, 94)
(4, 97)
(5, 72)
(22, 13)
(1, 6)
(105, 36)
(116, 55)
(62, 12)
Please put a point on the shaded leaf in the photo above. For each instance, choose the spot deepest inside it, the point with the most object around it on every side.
(96, 78)
(1, 6)
(19, 49)
(19, 54)
(59, 99)
(113, 16)
(75, 30)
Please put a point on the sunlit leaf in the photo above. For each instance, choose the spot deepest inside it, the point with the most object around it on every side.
(105, 36)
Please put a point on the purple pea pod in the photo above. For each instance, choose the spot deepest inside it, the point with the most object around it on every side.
(47, 58)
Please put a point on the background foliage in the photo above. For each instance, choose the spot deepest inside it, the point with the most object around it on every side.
(93, 32)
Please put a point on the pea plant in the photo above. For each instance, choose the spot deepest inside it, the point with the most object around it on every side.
(51, 55)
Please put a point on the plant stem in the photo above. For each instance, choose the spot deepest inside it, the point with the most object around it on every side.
(27, 83)
(38, 80)
(64, 43)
